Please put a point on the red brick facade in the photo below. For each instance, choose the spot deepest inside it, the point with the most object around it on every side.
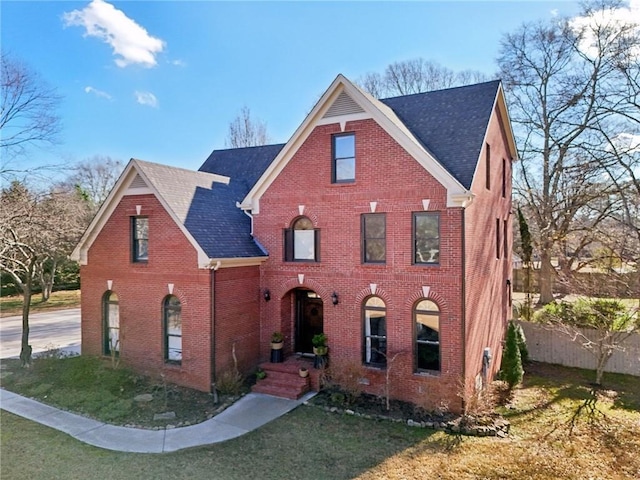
(223, 309)
(142, 287)
(387, 175)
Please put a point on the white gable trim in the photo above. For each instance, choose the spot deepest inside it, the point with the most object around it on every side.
(373, 109)
(120, 190)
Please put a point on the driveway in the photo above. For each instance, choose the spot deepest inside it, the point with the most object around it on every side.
(54, 329)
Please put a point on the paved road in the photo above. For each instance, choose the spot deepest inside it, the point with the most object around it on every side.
(55, 329)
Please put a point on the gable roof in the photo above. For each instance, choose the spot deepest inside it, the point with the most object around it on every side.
(450, 123)
(443, 130)
(196, 203)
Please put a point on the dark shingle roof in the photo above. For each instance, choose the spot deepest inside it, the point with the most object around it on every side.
(450, 124)
(219, 227)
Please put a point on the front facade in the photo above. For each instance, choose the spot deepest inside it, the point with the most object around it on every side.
(383, 224)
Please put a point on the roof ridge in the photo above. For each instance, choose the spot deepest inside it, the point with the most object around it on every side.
(247, 148)
(442, 89)
(188, 170)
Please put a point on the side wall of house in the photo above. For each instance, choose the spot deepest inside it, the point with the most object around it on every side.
(488, 257)
(141, 289)
(237, 319)
(388, 175)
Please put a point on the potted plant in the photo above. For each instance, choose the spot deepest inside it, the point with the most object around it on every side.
(277, 341)
(303, 372)
(319, 343)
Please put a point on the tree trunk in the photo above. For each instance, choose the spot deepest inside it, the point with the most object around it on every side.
(25, 350)
(546, 277)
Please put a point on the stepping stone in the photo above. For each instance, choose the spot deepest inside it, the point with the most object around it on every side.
(165, 416)
(145, 397)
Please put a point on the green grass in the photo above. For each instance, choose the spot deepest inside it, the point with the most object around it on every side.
(12, 305)
(547, 441)
(90, 386)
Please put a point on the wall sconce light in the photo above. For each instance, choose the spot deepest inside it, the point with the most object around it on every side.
(334, 298)
(267, 295)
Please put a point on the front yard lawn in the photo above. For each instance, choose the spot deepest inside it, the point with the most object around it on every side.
(561, 429)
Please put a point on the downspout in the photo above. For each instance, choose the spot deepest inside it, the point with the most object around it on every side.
(464, 307)
(212, 288)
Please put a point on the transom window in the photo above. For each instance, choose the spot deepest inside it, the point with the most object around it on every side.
(111, 316)
(374, 238)
(302, 241)
(140, 239)
(172, 317)
(427, 320)
(426, 238)
(375, 332)
(344, 158)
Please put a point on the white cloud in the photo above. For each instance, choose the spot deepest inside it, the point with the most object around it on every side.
(130, 42)
(628, 142)
(146, 98)
(554, 12)
(178, 63)
(98, 93)
(601, 19)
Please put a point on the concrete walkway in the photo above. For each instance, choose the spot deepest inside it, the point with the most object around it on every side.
(248, 413)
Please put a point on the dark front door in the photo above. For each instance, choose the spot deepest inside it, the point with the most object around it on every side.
(308, 319)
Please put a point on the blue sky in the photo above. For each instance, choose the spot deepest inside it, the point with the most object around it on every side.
(174, 74)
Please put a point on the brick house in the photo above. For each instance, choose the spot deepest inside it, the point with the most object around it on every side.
(385, 224)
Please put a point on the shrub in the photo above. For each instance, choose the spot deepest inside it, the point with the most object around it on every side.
(511, 371)
(522, 344)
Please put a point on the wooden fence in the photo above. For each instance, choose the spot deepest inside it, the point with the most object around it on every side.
(620, 286)
(550, 346)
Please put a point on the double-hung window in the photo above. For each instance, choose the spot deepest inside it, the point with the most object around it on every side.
(344, 158)
(426, 238)
(139, 239)
(374, 238)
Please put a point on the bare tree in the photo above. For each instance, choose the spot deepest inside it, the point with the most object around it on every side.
(415, 76)
(600, 326)
(27, 111)
(562, 94)
(246, 132)
(36, 232)
(94, 178)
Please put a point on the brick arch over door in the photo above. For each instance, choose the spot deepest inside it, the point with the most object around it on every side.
(291, 284)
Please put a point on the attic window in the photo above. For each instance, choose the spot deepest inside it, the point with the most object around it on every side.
(344, 158)
(139, 239)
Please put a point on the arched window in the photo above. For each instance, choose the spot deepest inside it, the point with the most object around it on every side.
(302, 241)
(427, 319)
(111, 323)
(172, 315)
(375, 332)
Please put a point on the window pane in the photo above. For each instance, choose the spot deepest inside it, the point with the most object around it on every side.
(346, 169)
(174, 351)
(114, 316)
(427, 238)
(375, 302)
(344, 146)
(374, 226)
(427, 305)
(114, 339)
(428, 356)
(142, 228)
(427, 328)
(142, 250)
(304, 245)
(174, 322)
(375, 250)
(303, 224)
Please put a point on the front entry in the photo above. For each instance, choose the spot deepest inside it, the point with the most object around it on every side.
(308, 319)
